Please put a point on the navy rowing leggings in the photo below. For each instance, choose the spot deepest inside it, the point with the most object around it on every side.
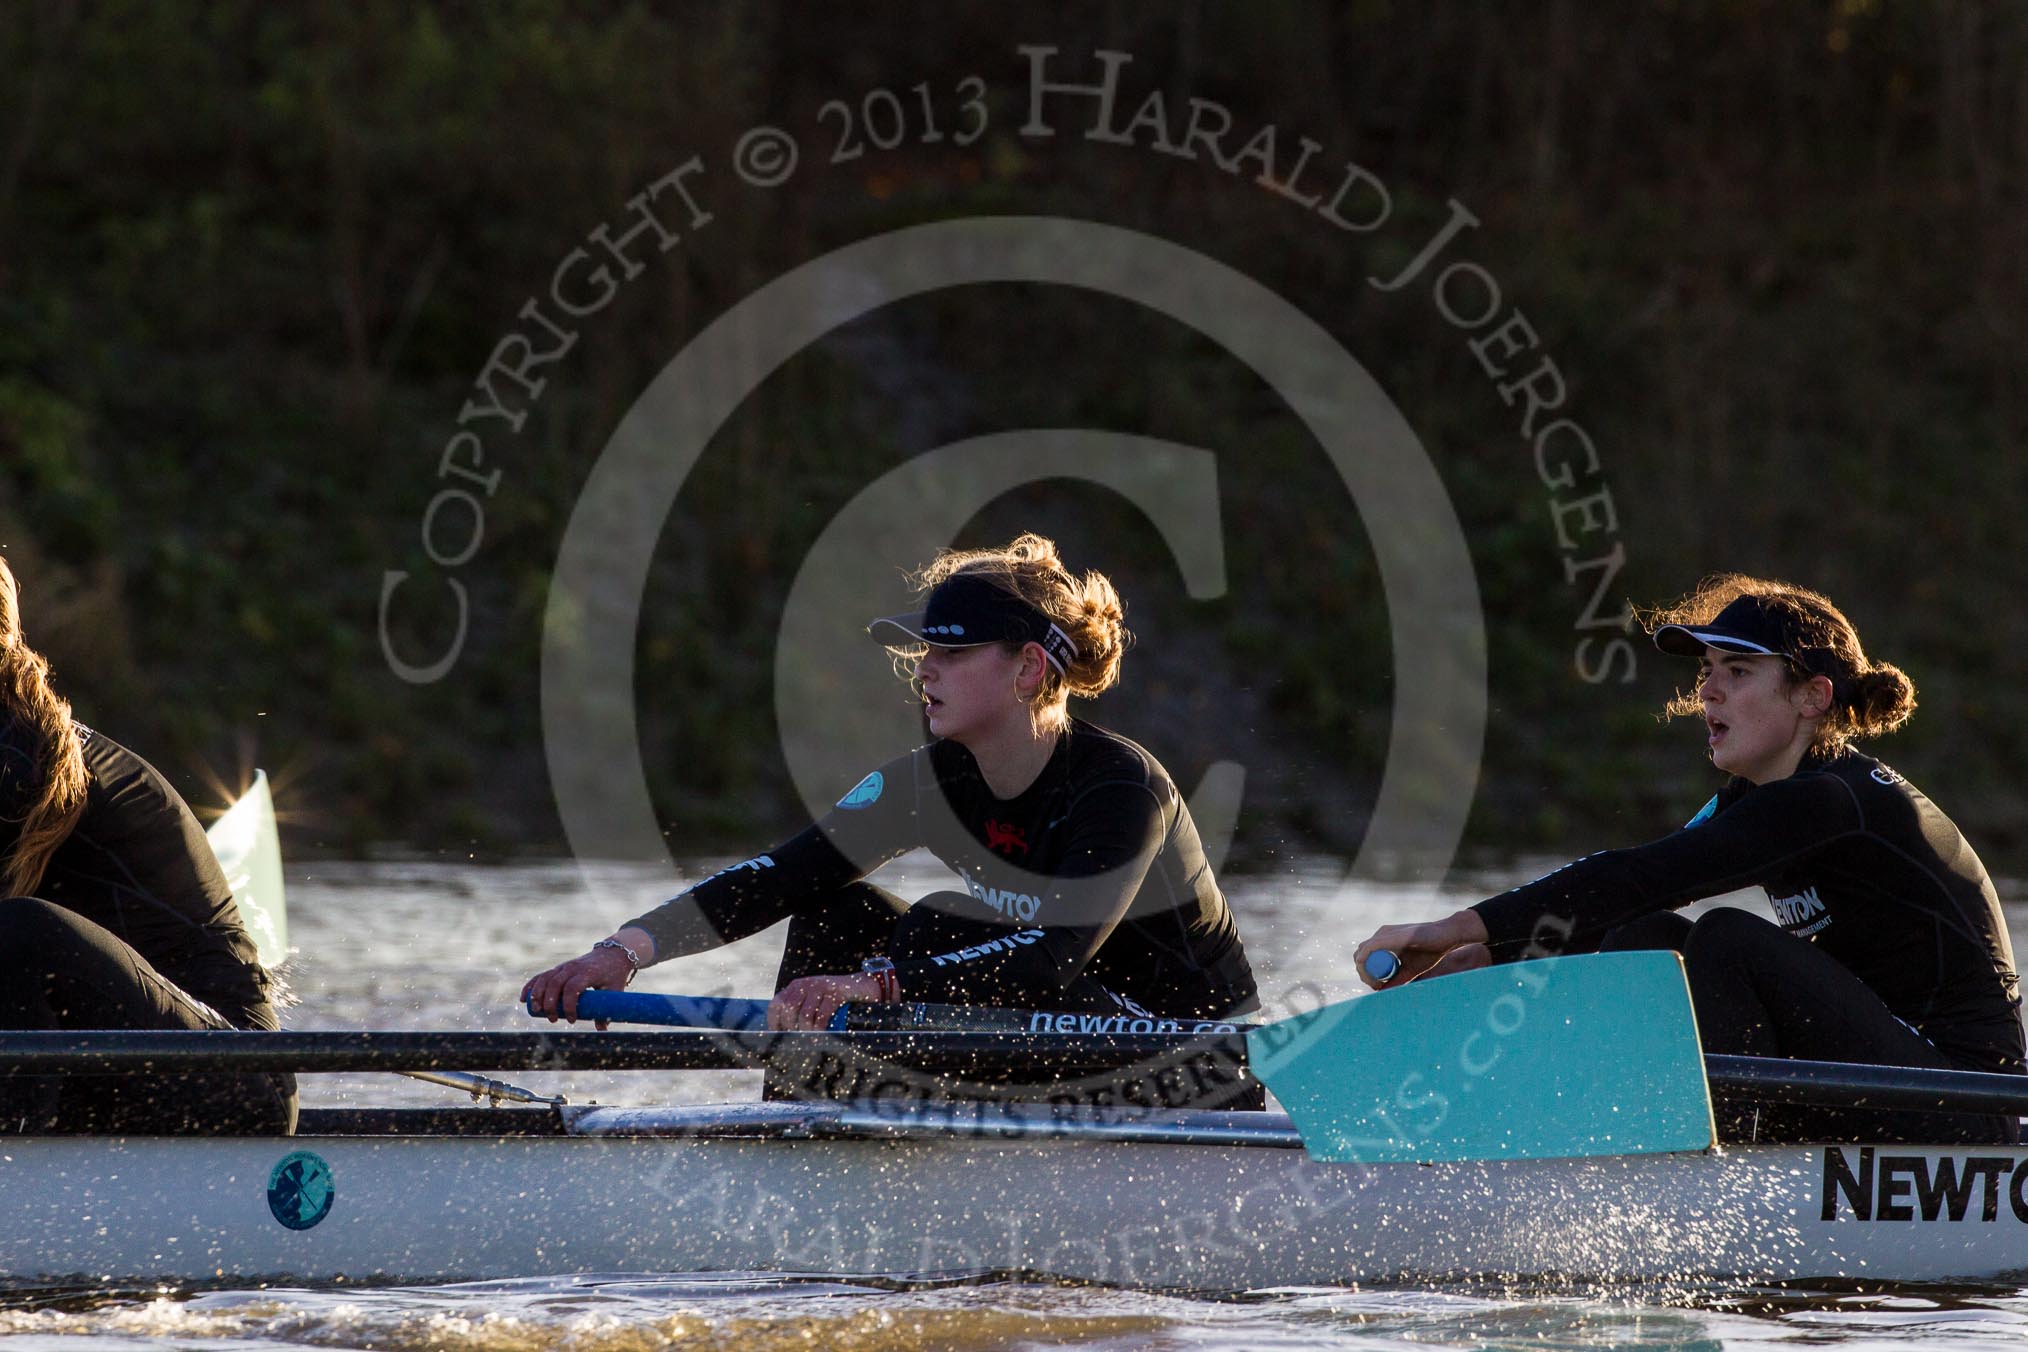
(58, 970)
(1760, 991)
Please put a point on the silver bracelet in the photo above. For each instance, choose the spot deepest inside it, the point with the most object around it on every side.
(633, 959)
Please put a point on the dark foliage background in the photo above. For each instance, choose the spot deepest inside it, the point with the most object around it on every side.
(252, 257)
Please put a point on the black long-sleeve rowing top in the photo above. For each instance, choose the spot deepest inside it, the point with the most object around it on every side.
(1097, 866)
(1854, 859)
(138, 864)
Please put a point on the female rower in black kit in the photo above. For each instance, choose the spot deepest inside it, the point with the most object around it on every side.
(1888, 946)
(1086, 886)
(116, 915)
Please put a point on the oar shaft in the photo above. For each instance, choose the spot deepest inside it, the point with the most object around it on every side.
(1038, 1057)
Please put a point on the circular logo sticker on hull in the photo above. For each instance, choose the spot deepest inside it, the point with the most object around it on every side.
(300, 1190)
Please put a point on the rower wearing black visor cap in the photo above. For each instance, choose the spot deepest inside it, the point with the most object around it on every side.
(1086, 887)
(1887, 945)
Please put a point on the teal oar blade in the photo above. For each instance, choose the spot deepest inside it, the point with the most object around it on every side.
(250, 853)
(1551, 1059)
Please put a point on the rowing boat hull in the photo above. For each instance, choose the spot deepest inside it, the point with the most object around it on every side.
(1222, 1208)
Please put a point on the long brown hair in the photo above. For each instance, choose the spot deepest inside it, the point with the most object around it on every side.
(26, 698)
(1868, 698)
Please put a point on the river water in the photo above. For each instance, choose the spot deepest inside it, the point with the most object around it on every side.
(447, 945)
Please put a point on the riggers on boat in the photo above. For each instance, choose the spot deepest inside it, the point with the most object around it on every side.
(1148, 1198)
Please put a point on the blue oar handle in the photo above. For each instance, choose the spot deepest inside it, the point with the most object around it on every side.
(675, 1011)
(1381, 965)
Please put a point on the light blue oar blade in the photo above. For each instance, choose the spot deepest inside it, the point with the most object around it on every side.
(250, 853)
(1551, 1059)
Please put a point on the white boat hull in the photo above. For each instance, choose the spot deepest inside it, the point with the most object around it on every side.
(739, 1191)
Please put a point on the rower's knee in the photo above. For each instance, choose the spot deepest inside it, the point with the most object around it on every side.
(1727, 929)
(1661, 930)
(31, 927)
(1728, 948)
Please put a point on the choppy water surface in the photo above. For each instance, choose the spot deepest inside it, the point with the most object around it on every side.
(427, 945)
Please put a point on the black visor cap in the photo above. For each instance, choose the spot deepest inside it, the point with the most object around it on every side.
(964, 612)
(1745, 626)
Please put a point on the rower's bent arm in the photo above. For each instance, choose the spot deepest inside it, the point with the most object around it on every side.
(1570, 910)
(845, 844)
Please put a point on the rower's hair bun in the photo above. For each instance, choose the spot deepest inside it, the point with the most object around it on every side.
(1098, 627)
(1882, 699)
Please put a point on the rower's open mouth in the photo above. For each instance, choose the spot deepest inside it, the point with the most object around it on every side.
(1714, 729)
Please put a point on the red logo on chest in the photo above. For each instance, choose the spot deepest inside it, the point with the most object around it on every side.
(1005, 837)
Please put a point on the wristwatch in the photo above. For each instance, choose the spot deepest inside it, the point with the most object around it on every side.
(882, 970)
